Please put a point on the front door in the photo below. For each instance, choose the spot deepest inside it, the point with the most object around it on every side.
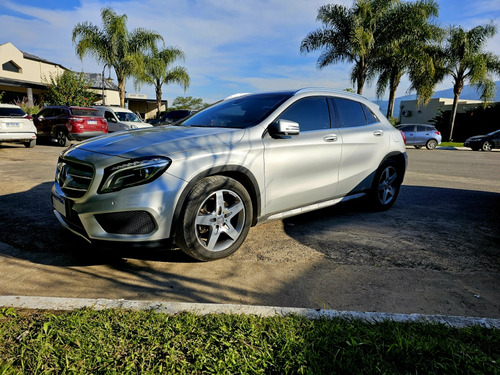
(303, 169)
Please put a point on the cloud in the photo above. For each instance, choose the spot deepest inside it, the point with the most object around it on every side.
(230, 45)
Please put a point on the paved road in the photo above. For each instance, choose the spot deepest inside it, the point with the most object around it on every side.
(435, 252)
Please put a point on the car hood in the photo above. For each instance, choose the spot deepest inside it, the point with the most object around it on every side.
(165, 140)
(477, 137)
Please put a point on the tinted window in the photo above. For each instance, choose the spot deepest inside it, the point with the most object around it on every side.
(350, 113)
(11, 112)
(47, 112)
(311, 113)
(421, 128)
(407, 128)
(57, 112)
(370, 116)
(241, 112)
(84, 112)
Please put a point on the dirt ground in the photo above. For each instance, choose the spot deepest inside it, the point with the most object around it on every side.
(437, 251)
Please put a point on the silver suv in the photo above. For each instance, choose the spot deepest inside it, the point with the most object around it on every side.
(246, 160)
(121, 118)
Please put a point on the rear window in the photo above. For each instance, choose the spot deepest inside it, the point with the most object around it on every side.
(84, 112)
(11, 112)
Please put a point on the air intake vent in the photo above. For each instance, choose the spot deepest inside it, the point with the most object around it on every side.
(128, 222)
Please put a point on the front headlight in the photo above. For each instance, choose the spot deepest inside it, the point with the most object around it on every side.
(132, 173)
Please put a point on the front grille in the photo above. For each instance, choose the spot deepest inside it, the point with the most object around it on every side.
(74, 178)
(127, 222)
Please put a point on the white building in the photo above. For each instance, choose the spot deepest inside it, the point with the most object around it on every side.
(411, 113)
(23, 75)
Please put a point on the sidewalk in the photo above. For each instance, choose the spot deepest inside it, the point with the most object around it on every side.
(54, 303)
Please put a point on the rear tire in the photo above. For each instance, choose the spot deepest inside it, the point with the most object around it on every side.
(431, 144)
(30, 144)
(386, 186)
(215, 220)
(61, 138)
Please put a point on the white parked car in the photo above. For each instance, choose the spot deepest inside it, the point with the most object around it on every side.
(206, 180)
(16, 126)
(121, 118)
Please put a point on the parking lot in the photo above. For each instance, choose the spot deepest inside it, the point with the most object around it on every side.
(437, 251)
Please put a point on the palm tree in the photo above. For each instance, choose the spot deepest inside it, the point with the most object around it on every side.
(158, 72)
(466, 61)
(348, 35)
(406, 47)
(114, 45)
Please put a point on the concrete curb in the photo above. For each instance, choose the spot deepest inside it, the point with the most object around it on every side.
(54, 303)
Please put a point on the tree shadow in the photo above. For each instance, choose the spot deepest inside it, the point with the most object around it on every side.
(428, 228)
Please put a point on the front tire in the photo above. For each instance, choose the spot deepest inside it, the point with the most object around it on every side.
(386, 186)
(215, 220)
(486, 146)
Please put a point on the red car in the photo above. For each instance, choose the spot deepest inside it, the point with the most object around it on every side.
(66, 123)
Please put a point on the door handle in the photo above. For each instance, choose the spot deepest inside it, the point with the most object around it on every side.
(330, 138)
(378, 133)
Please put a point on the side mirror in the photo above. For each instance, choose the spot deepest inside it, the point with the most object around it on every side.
(284, 127)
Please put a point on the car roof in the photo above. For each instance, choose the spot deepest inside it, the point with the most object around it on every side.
(111, 107)
(6, 105)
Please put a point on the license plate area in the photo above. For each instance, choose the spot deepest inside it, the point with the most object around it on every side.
(92, 122)
(59, 204)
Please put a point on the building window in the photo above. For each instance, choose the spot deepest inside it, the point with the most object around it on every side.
(10, 66)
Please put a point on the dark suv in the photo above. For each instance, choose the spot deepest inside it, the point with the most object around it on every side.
(172, 116)
(67, 123)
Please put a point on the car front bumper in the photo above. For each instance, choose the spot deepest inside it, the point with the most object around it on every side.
(134, 215)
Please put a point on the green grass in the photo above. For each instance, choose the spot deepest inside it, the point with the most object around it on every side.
(451, 144)
(147, 342)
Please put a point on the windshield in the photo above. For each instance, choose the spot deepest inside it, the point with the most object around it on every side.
(241, 112)
(127, 116)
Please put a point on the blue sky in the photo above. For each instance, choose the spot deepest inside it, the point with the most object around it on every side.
(230, 45)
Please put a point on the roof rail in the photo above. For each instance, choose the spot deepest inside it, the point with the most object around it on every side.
(327, 89)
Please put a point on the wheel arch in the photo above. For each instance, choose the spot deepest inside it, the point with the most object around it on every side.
(238, 173)
(401, 162)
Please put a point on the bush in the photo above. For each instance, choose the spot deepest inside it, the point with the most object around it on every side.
(69, 89)
(29, 109)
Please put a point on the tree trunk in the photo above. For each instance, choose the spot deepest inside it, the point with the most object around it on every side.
(393, 87)
(158, 100)
(457, 90)
(121, 91)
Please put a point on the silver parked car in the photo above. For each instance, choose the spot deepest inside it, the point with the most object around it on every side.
(121, 118)
(419, 135)
(246, 160)
(16, 126)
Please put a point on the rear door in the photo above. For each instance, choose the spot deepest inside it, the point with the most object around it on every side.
(303, 169)
(365, 144)
(423, 134)
(409, 131)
